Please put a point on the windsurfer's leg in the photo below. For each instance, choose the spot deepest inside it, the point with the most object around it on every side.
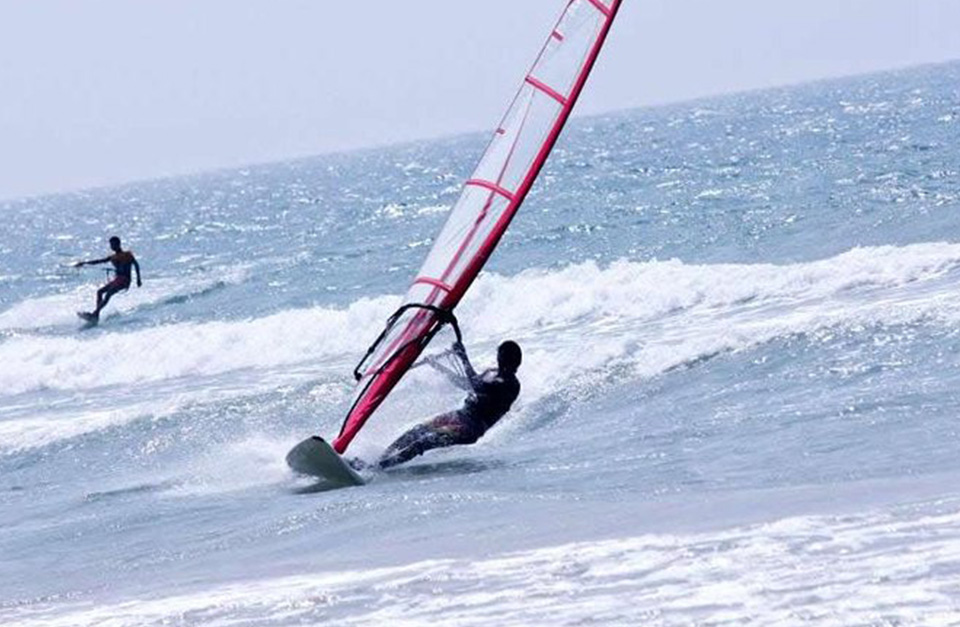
(100, 303)
(426, 441)
(104, 294)
(103, 297)
(416, 441)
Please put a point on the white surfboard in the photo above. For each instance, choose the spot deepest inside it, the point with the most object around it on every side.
(315, 457)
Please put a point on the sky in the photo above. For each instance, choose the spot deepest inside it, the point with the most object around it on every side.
(98, 92)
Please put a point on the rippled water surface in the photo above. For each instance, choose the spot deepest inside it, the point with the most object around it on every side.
(740, 387)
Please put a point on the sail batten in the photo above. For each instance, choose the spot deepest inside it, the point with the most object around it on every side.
(601, 7)
(440, 285)
(493, 187)
(488, 201)
(550, 91)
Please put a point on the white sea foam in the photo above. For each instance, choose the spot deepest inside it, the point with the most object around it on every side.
(658, 315)
(575, 324)
(189, 349)
(23, 433)
(895, 566)
(431, 209)
(253, 460)
(651, 315)
(59, 309)
(28, 426)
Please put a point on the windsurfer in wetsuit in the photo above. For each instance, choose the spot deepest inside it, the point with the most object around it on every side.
(123, 261)
(491, 395)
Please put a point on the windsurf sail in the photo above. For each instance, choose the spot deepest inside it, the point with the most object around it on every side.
(488, 202)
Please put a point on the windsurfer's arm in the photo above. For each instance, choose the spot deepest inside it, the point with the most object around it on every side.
(92, 262)
(136, 266)
(459, 379)
(473, 379)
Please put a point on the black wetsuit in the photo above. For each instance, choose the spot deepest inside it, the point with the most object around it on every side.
(492, 394)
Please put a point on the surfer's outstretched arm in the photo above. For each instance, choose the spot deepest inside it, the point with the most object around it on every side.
(92, 262)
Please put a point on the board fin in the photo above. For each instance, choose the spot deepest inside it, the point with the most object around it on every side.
(315, 457)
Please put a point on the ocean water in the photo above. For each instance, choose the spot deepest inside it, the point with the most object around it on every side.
(741, 385)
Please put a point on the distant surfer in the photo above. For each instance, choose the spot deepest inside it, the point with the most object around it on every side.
(123, 262)
(491, 395)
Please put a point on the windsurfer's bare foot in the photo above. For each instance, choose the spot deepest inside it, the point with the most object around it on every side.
(357, 464)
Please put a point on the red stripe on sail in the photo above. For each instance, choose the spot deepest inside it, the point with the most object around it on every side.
(434, 282)
(550, 91)
(493, 187)
(600, 7)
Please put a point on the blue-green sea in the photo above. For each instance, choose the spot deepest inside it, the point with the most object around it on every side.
(741, 383)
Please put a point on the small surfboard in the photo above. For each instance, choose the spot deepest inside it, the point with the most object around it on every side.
(89, 318)
(315, 457)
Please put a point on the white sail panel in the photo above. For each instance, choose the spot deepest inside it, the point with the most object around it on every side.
(570, 45)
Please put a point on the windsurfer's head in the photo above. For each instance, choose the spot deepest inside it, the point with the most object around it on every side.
(509, 356)
(115, 244)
